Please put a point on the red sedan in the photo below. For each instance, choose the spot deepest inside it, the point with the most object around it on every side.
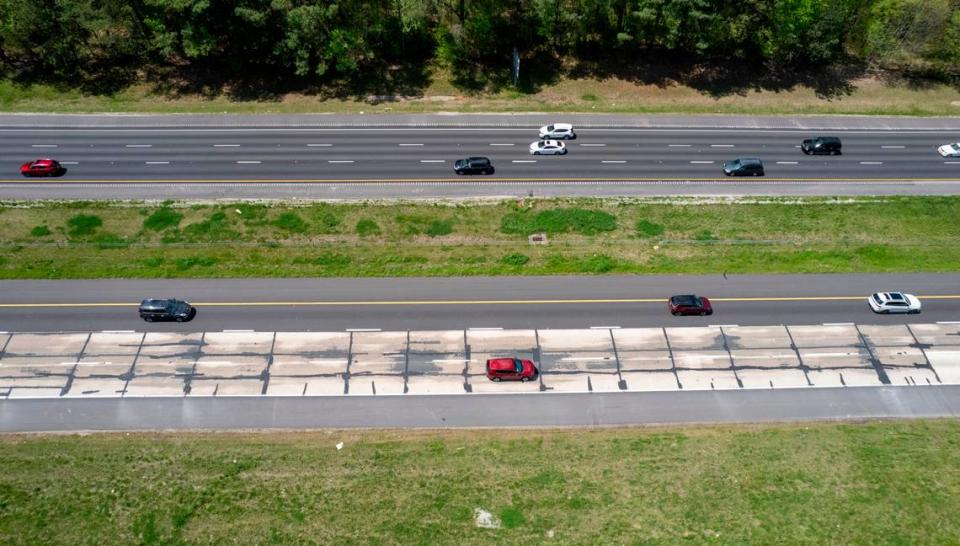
(43, 167)
(689, 305)
(510, 369)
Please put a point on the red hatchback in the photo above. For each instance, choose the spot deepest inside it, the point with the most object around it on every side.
(510, 369)
(42, 167)
(689, 305)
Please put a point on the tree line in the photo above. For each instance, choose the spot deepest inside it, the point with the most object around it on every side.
(107, 44)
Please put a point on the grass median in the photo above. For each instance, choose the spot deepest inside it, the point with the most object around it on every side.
(54, 240)
(870, 483)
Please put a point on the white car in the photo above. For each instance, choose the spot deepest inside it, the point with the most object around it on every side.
(894, 302)
(548, 147)
(950, 150)
(561, 131)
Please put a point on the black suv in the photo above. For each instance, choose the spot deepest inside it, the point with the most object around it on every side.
(473, 165)
(743, 167)
(151, 310)
(825, 145)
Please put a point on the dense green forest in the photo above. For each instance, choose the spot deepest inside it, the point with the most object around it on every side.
(386, 46)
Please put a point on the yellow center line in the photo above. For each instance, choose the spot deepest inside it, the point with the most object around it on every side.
(458, 302)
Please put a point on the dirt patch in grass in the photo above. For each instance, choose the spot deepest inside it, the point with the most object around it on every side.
(869, 483)
(592, 236)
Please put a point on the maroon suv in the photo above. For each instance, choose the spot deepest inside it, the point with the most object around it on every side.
(510, 369)
(689, 305)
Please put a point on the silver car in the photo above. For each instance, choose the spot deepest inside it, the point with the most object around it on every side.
(950, 150)
(894, 302)
(558, 131)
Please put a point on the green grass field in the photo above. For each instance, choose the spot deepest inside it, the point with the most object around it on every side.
(867, 95)
(875, 483)
(586, 236)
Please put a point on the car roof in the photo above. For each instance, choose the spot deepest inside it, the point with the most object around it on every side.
(551, 143)
(478, 160)
(685, 299)
(502, 364)
(828, 139)
(749, 160)
(562, 127)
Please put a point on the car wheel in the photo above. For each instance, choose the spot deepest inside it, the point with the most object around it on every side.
(458, 172)
(496, 379)
(179, 319)
(524, 379)
(488, 171)
(703, 313)
(675, 313)
(536, 153)
(147, 319)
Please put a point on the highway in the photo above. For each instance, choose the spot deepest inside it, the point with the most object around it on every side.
(392, 161)
(483, 302)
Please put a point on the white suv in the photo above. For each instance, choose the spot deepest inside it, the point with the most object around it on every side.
(562, 131)
(894, 302)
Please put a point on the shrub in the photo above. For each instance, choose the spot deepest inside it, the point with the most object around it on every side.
(646, 228)
(251, 214)
(83, 224)
(599, 263)
(163, 218)
(290, 221)
(326, 220)
(704, 235)
(440, 227)
(215, 227)
(516, 259)
(40, 231)
(184, 264)
(332, 259)
(366, 227)
(582, 221)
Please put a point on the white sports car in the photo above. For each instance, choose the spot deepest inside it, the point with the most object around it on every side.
(950, 150)
(894, 302)
(561, 131)
(548, 147)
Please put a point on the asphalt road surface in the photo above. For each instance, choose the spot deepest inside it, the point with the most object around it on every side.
(484, 302)
(488, 410)
(356, 162)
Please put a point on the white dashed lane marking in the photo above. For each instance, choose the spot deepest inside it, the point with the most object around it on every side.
(502, 144)
(679, 145)
(721, 145)
(613, 161)
(593, 145)
(408, 144)
(893, 146)
(69, 162)
(787, 162)
(138, 146)
(319, 145)
(871, 162)
(226, 145)
(157, 162)
(701, 162)
(340, 161)
(433, 161)
(248, 162)
(524, 161)
(43, 145)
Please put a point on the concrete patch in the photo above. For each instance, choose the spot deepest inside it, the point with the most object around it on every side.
(113, 343)
(104, 366)
(694, 380)
(757, 337)
(640, 339)
(946, 361)
(235, 366)
(313, 344)
(698, 338)
(765, 358)
(324, 386)
(645, 360)
(699, 360)
(46, 344)
(155, 386)
(912, 376)
(237, 343)
(225, 387)
(378, 384)
(96, 387)
(893, 334)
(34, 393)
(435, 384)
(480, 384)
(825, 336)
(772, 378)
(650, 381)
(839, 357)
(576, 340)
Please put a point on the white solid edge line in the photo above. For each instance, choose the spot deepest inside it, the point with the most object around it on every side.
(723, 326)
(237, 331)
(604, 327)
(613, 161)
(340, 161)
(837, 324)
(938, 322)
(945, 162)
(157, 162)
(490, 329)
(248, 162)
(433, 161)
(363, 329)
(117, 331)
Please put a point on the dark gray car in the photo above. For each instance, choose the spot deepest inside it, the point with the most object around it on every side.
(169, 309)
(825, 145)
(743, 167)
(473, 165)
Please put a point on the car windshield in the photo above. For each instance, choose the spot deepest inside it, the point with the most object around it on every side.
(550, 127)
(876, 298)
(690, 301)
(517, 365)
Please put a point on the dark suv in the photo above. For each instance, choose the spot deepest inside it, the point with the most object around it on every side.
(825, 145)
(473, 165)
(743, 167)
(151, 310)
